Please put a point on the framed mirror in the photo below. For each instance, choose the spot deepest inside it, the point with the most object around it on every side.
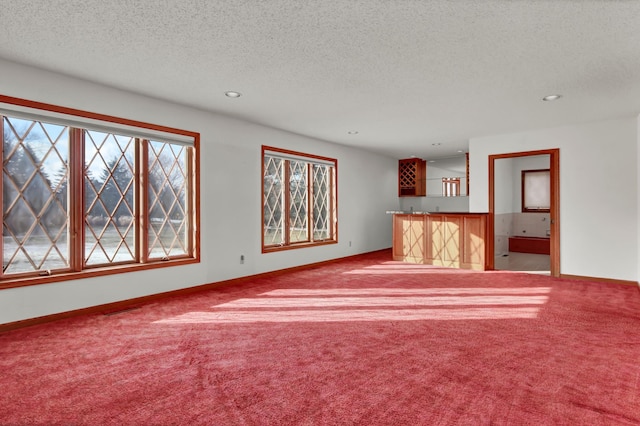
(447, 177)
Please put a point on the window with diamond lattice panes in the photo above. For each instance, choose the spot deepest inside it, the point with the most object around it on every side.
(35, 192)
(168, 201)
(100, 199)
(321, 202)
(273, 205)
(109, 198)
(299, 199)
(298, 205)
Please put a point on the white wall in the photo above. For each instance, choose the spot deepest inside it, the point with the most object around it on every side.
(598, 191)
(504, 183)
(435, 204)
(638, 205)
(230, 197)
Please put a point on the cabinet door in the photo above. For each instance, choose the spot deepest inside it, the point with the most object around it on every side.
(416, 239)
(401, 231)
(473, 242)
(434, 240)
(408, 238)
(451, 247)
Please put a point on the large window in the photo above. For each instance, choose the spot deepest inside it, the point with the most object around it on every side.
(83, 196)
(299, 199)
(536, 191)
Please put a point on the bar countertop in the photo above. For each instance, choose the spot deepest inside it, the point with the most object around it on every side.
(432, 213)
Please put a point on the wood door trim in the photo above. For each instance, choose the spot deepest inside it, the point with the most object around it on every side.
(554, 166)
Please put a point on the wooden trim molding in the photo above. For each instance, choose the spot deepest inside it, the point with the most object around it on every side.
(312, 161)
(466, 156)
(93, 116)
(523, 179)
(600, 280)
(129, 304)
(554, 166)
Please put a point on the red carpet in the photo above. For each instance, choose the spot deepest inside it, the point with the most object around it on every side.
(361, 342)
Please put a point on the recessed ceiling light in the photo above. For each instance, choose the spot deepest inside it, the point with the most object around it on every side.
(232, 94)
(436, 144)
(460, 150)
(551, 97)
(352, 132)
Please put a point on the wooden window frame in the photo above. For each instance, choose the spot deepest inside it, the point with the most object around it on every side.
(333, 200)
(76, 212)
(522, 192)
(453, 184)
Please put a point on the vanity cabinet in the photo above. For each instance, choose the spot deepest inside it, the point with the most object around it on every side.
(456, 240)
(412, 177)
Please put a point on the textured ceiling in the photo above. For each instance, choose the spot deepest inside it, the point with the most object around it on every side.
(404, 74)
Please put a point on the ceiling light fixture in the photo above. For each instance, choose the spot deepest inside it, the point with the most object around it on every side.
(436, 144)
(551, 97)
(232, 94)
(352, 132)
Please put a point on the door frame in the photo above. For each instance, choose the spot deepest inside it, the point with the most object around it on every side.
(554, 213)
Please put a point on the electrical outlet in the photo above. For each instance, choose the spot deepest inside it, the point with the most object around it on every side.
(349, 243)
(241, 259)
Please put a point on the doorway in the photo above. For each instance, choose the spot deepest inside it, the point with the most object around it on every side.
(552, 224)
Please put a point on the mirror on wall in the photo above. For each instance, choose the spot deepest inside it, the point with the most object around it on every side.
(447, 177)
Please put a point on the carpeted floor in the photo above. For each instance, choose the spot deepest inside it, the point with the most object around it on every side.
(366, 341)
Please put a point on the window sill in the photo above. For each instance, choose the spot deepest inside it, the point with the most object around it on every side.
(271, 249)
(11, 282)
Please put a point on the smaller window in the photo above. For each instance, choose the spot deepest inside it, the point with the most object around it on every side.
(298, 199)
(451, 187)
(536, 191)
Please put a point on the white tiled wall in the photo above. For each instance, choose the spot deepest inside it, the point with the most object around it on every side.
(503, 229)
(520, 224)
(531, 224)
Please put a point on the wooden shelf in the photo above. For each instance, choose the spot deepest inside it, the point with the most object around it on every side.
(412, 173)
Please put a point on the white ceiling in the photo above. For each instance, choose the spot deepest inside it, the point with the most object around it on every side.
(405, 74)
